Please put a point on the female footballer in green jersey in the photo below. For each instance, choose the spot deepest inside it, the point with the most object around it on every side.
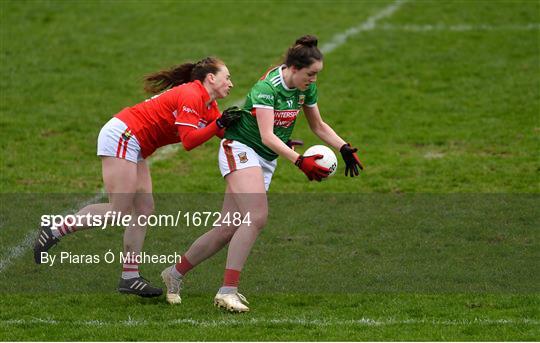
(247, 160)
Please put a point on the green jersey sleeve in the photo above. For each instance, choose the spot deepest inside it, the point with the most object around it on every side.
(262, 95)
(311, 95)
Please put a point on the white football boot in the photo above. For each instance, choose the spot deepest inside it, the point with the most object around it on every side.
(234, 302)
(173, 286)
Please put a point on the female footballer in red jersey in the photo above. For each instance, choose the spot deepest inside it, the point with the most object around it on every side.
(184, 110)
(247, 159)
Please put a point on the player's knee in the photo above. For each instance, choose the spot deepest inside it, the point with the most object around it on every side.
(226, 233)
(258, 219)
(145, 208)
(122, 209)
(143, 204)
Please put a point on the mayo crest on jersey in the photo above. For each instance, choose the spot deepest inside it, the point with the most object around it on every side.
(271, 92)
(155, 122)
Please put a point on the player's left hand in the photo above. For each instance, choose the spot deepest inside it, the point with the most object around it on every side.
(291, 143)
(229, 116)
(352, 162)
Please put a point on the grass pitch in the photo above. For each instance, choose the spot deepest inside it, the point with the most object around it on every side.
(442, 100)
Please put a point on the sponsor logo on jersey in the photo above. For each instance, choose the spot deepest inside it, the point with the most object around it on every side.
(243, 157)
(189, 110)
(301, 99)
(269, 97)
(285, 118)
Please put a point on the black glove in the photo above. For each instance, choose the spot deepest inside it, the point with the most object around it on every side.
(352, 162)
(229, 116)
(291, 143)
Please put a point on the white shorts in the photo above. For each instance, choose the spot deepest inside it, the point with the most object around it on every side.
(116, 140)
(234, 155)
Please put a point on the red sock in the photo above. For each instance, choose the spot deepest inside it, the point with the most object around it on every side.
(63, 230)
(69, 229)
(130, 268)
(231, 278)
(184, 266)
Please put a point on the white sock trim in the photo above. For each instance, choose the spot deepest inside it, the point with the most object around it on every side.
(228, 290)
(56, 232)
(175, 273)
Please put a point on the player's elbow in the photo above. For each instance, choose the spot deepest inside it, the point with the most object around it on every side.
(320, 128)
(187, 146)
(316, 127)
(267, 140)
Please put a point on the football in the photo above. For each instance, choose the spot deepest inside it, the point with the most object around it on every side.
(329, 159)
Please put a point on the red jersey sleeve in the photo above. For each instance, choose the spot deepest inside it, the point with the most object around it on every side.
(192, 138)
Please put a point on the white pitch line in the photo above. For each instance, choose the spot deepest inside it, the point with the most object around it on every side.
(459, 27)
(367, 25)
(275, 321)
(163, 153)
(18, 250)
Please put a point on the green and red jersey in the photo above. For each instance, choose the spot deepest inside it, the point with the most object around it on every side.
(271, 92)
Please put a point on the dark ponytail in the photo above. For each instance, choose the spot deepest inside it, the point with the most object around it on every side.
(177, 75)
(303, 53)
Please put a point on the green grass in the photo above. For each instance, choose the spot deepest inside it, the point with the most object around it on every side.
(415, 267)
(275, 317)
(430, 111)
(437, 240)
(418, 244)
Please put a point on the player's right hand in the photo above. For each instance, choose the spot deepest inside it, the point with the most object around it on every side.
(229, 116)
(310, 167)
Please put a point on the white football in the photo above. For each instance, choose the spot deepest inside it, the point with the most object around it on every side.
(329, 159)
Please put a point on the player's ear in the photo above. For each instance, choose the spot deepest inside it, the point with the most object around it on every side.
(211, 77)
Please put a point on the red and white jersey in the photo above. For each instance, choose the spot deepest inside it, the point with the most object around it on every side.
(155, 122)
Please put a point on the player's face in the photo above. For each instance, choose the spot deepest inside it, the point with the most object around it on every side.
(302, 78)
(222, 83)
